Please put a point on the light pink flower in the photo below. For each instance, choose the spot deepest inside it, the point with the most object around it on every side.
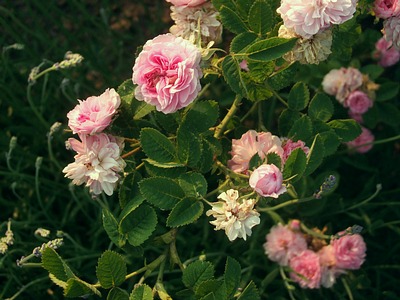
(357, 117)
(189, 3)
(363, 143)
(248, 145)
(236, 217)
(289, 146)
(391, 27)
(308, 17)
(244, 66)
(266, 180)
(341, 82)
(358, 102)
(307, 265)
(385, 53)
(349, 251)
(167, 73)
(97, 162)
(386, 8)
(329, 271)
(95, 113)
(282, 244)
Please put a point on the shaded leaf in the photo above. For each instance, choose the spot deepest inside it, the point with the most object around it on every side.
(320, 108)
(295, 165)
(157, 146)
(299, 96)
(196, 273)
(111, 269)
(185, 212)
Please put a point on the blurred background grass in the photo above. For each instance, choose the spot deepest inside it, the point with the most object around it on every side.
(35, 194)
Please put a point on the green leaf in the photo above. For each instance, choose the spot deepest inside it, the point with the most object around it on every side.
(141, 109)
(331, 141)
(250, 292)
(129, 188)
(302, 129)
(255, 162)
(211, 289)
(130, 207)
(141, 292)
(373, 71)
(162, 192)
(347, 130)
(270, 49)
(200, 117)
(110, 225)
(164, 165)
(171, 172)
(111, 269)
(261, 20)
(188, 146)
(295, 165)
(157, 146)
(196, 273)
(53, 263)
(117, 294)
(60, 283)
(283, 77)
(275, 159)
(232, 276)
(315, 155)
(387, 91)
(231, 20)
(79, 288)
(169, 122)
(126, 90)
(185, 212)
(193, 184)
(286, 119)
(299, 96)
(242, 41)
(389, 114)
(320, 108)
(233, 76)
(207, 157)
(139, 225)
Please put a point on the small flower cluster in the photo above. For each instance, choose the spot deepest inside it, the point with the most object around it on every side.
(389, 11)
(236, 216)
(7, 240)
(70, 60)
(310, 21)
(266, 179)
(98, 161)
(312, 262)
(54, 244)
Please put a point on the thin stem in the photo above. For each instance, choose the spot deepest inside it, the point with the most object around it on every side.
(287, 203)
(131, 152)
(221, 127)
(33, 107)
(218, 188)
(393, 138)
(277, 95)
(228, 171)
(314, 233)
(23, 288)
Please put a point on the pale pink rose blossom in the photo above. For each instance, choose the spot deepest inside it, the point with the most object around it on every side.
(189, 3)
(282, 244)
(236, 217)
(341, 82)
(358, 102)
(97, 162)
(307, 265)
(386, 54)
(329, 271)
(167, 73)
(363, 143)
(248, 145)
(386, 8)
(308, 17)
(289, 146)
(391, 28)
(349, 251)
(267, 180)
(95, 113)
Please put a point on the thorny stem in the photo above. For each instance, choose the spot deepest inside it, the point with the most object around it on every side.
(221, 127)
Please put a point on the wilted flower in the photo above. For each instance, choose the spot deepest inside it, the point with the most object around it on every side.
(386, 54)
(167, 73)
(306, 269)
(97, 162)
(386, 8)
(95, 113)
(310, 50)
(266, 180)
(200, 21)
(391, 28)
(363, 143)
(283, 243)
(236, 217)
(252, 143)
(358, 102)
(308, 17)
(189, 3)
(349, 251)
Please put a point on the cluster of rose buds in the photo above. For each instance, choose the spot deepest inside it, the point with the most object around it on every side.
(310, 21)
(98, 161)
(312, 262)
(266, 179)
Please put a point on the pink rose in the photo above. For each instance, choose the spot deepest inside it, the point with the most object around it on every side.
(363, 143)
(307, 265)
(385, 53)
(329, 271)
(358, 102)
(167, 73)
(289, 146)
(391, 27)
(266, 180)
(248, 145)
(189, 3)
(349, 251)
(282, 244)
(94, 114)
(308, 17)
(341, 82)
(386, 8)
(357, 117)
